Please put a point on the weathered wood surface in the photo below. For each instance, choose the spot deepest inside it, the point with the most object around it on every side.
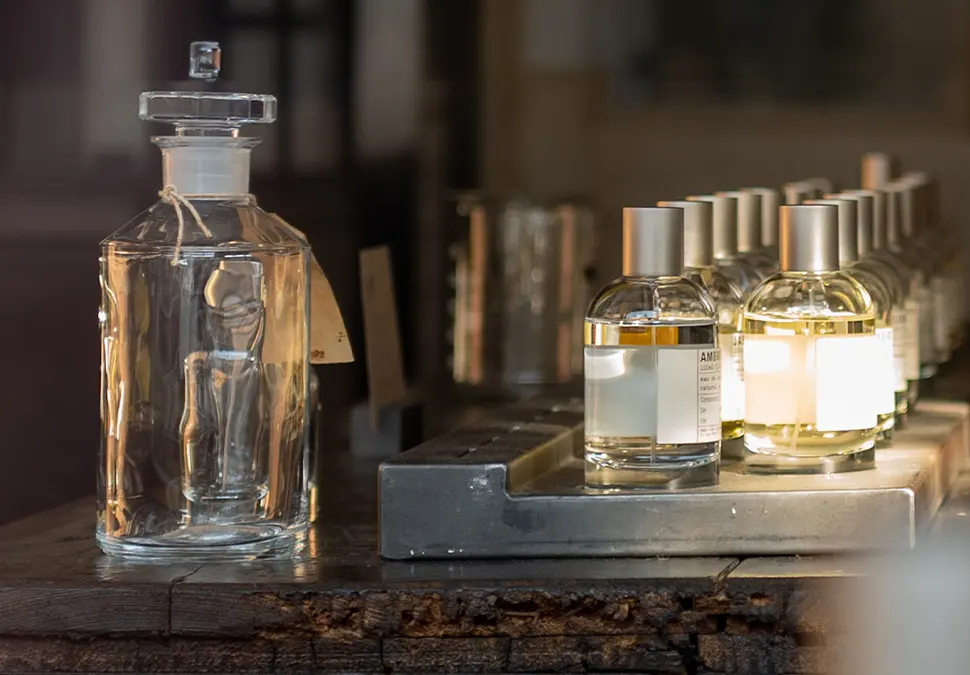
(66, 608)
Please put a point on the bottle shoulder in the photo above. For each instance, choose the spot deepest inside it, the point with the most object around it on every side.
(795, 295)
(652, 300)
(232, 222)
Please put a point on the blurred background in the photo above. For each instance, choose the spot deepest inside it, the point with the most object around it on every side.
(386, 107)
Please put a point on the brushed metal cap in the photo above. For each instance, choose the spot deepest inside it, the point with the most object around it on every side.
(809, 238)
(821, 186)
(864, 201)
(725, 219)
(653, 242)
(893, 215)
(909, 200)
(796, 193)
(848, 228)
(770, 201)
(749, 219)
(878, 168)
(698, 231)
(928, 204)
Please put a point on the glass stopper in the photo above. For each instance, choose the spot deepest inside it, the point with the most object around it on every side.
(205, 60)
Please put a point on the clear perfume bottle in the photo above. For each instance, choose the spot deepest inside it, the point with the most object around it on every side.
(905, 330)
(699, 267)
(901, 241)
(770, 201)
(652, 362)
(884, 390)
(732, 264)
(810, 356)
(749, 232)
(204, 335)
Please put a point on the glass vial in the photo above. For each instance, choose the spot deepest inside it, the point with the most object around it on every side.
(205, 351)
(884, 391)
(699, 267)
(653, 391)
(732, 264)
(810, 364)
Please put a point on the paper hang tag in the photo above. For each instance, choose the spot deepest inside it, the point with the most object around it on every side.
(382, 340)
(328, 335)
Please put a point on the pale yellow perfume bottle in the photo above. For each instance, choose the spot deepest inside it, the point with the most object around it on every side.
(884, 389)
(727, 258)
(653, 371)
(810, 356)
(699, 267)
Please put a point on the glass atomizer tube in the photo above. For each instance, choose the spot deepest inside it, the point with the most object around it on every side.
(699, 267)
(652, 363)
(884, 390)
(810, 360)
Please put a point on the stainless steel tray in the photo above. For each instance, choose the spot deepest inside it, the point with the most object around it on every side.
(513, 487)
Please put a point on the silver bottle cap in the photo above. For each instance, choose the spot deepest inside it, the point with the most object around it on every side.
(653, 242)
(928, 202)
(864, 201)
(809, 238)
(878, 168)
(770, 201)
(796, 193)
(698, 232)
(848, 227)
(821, 186)
(725, 219)
(893, 215)
(910, 195)
(749, 219)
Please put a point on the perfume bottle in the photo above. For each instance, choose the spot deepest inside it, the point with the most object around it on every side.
(900, 240)
(732, 264)
(653, 371)
(936, 250)
(749, 232)
(699, 267)
(884, 390)
(810, 356)
(205, 357)
(770, 201)
(904, 328)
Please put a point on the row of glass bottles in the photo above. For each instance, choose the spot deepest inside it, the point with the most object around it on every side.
(804, 330)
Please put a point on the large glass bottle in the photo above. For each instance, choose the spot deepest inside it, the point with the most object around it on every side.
(884, 391)
(652, 366)
(699, 267)
(205, 359)
(810, 356)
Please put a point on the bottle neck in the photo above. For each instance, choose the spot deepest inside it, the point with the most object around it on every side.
(206, 170)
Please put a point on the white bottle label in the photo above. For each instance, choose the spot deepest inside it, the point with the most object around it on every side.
(912, 338)
(672, 394)
(732, 376)
(885, 373)
(689, 400)
(899, 348)
(830, 382)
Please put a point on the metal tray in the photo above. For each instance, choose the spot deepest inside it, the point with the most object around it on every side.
(513, 487)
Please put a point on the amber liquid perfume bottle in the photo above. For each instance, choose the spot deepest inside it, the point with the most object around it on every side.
(652, 366)
(810, 356)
